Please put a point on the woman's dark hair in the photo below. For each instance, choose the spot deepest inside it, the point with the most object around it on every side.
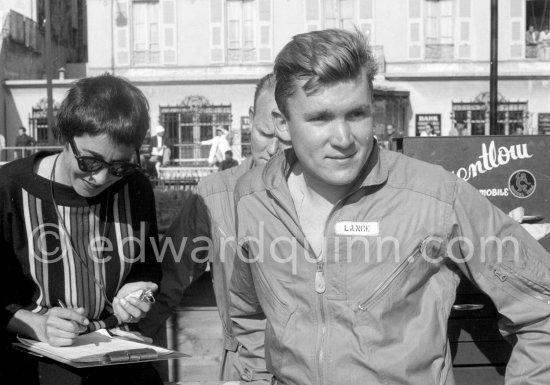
(104, 104)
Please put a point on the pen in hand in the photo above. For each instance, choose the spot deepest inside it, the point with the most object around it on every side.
(81, 326)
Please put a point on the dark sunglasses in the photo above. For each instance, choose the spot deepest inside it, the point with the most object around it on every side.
(93, 164)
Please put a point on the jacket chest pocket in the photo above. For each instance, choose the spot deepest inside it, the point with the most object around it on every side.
(405, 281)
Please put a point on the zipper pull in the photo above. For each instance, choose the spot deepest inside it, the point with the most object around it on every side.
(320, 285)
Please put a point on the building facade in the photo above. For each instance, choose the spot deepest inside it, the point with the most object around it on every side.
(433, 58)
(23, 61)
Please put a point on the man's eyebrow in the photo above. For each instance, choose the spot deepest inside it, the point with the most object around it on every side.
(317, 114)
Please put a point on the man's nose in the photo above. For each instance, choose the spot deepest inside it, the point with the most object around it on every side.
(342, 134)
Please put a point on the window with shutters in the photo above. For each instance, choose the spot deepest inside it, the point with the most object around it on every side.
(145, 32)
(339, 13)
(439, 30)
(537, 28)
(242, 22)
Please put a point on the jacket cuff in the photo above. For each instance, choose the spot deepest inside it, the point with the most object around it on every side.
(230, 343)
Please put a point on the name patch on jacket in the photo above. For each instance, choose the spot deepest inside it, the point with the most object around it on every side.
(357, 228)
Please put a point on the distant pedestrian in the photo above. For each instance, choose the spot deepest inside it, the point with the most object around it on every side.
(23, 140)
(228, 162)
(2, 146)
(160, 150)
(219, 146)
(459, 130)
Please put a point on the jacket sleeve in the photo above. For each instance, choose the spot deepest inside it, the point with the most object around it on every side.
(512, 268)
(183, 261)
(247, 319)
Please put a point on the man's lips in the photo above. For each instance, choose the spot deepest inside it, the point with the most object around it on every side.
(341, 156)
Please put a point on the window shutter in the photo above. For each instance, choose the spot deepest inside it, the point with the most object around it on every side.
(313, 15)
(464, 25)
(366, 19)
(122, 32)
(415, 31)
(265, 33)
(517, 29)
(216, 31)
(168, 34)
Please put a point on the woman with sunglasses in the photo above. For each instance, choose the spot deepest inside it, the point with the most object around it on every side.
(76, 235)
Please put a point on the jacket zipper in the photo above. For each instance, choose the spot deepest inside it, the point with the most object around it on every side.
(508, 272)
(320, 287)
(385, 285)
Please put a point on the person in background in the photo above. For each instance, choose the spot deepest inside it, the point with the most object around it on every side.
(23, 140)
(2, 147)
(209, 213)
(228, 162)
(388, 142)
(518, 130)
(219, 146)
(353, 252)
(544, 44)
(458, 130)
(160, 149)
(531, 43)
(68, 222)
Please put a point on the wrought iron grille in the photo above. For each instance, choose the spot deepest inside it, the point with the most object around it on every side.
(191, 122)
(38, 125)
(511, 116)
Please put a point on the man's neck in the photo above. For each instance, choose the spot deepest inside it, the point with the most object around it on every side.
(314, 190)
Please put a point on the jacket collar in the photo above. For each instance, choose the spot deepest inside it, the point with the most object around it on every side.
(374, 173)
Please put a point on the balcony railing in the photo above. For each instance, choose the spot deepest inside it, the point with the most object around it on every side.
(444, 52)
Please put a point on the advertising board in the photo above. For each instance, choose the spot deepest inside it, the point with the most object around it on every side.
(511, 171)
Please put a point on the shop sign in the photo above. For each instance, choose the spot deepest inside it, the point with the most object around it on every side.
(510, 171)
(424, 120)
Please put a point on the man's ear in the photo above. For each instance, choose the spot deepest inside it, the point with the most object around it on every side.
(281, 125)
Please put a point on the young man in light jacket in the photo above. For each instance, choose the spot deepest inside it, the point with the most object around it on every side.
(353, 252)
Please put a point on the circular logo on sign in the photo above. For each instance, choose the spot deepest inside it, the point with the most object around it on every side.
(522, 183)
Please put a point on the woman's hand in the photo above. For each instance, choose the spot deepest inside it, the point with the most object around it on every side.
(64, 325)
(58, 327)
(131, 309)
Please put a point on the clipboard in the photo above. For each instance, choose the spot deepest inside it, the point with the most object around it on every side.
(98, 348)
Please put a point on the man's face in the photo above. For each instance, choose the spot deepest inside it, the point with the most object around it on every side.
(332, 130)
(21, 131)
(264, 143)
(390, 129)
